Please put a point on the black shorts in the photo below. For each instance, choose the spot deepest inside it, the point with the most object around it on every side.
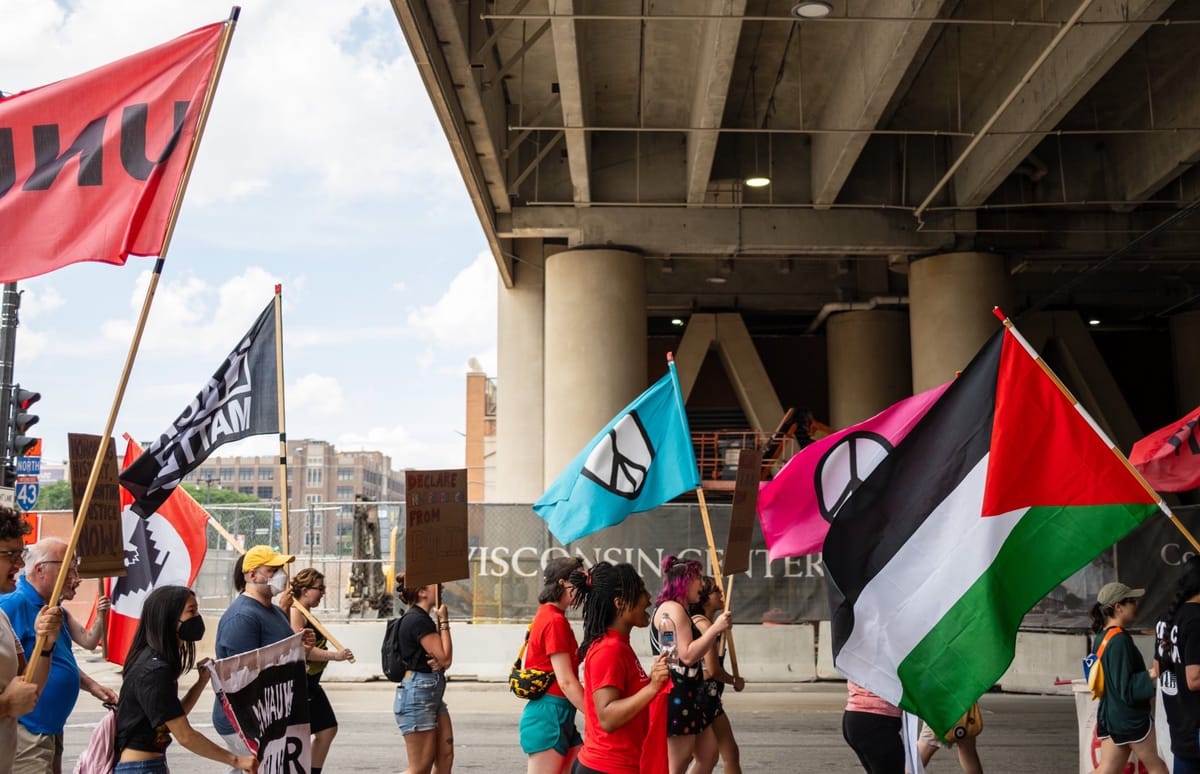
(1129, 737)
(320, 711)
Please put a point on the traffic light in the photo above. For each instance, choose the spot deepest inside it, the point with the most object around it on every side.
(22, 402)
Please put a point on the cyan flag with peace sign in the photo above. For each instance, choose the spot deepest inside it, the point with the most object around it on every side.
(640, 460)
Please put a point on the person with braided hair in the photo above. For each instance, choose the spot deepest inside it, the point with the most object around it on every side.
(548, 733)
(686, 719)
(618, 692)
(1177, 663)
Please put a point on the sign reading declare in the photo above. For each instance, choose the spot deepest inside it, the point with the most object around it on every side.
(744, 513)
(435, 544)
(101, 545)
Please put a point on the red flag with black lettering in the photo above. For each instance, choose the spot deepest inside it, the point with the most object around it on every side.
(1169, 459)
(90, 165)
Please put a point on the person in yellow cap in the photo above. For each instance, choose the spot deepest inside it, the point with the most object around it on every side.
(253, 621)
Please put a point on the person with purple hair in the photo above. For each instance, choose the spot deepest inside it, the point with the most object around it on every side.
(686, 721)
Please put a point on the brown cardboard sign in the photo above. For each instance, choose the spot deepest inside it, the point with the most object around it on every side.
(435, 540)
(101, 546)
(744, 512)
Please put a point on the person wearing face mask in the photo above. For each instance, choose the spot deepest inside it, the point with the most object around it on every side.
(308, 588)
(150, 712)
(253, 621)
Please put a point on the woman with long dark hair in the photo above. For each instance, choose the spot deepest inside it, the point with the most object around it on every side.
(419, 708)
(308, 588)
(686, 721)
(149, 711)
(548, 733)
(711, 603)
(618, 694)
(1124, 721)
(1177, 661)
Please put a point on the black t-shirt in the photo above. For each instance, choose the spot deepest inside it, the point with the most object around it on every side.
(1178, 645)
(149, 698)
(415, 624)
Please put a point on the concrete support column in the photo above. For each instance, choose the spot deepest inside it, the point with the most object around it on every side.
(595, 346)
(519, 384)
(950, 311)
(869, 364)
(1185, 349)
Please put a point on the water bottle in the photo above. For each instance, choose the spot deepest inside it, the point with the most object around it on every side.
(666, 638)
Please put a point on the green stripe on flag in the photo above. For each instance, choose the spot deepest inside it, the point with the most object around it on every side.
(969, 649)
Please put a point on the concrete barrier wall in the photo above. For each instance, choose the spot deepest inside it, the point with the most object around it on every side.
(775, 654)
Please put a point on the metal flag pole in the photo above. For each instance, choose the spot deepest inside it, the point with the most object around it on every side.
(139, 329)
(1111, 446)
(285, 532)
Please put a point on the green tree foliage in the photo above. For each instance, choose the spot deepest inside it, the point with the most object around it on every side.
(55, 497)
(217, 496)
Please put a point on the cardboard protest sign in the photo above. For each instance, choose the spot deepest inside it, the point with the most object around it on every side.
(435, 543)
(744, 513)
(101, 545)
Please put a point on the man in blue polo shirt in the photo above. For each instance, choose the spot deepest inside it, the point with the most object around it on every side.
(40, 733)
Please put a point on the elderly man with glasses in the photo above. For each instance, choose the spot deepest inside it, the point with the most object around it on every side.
(18, 697)
(40, 732)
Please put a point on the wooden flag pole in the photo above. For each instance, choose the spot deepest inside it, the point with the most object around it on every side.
(312, 619)
(729, 640)
(285, 532)
(1111, 447)
(139, 329)
(717, 576)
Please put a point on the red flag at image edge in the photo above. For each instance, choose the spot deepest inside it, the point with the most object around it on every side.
(1169, 458)
(117, 139)
(165, 549)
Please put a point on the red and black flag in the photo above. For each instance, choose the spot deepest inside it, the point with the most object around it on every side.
(90, 166)
(1169, 458)
(240, 400)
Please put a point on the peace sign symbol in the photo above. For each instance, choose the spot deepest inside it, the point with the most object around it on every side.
(844, 467)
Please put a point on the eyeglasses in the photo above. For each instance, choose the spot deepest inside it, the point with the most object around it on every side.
(317, 588)
(74, 562)
(14, 554)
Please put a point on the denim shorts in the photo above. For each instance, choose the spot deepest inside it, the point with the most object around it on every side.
(419, 701)
(152, 766)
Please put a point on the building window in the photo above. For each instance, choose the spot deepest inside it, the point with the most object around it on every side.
(345, 474)
(312, 499)
(226, 474)
(246, 490)
(266, 493)
(266, 474)
(314, 476)
(312, 539)
(345, 493)
(245, 474)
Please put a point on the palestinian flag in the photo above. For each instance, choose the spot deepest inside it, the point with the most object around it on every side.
(1003, 490)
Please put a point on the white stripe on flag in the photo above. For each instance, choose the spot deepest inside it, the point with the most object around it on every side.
(921, 583)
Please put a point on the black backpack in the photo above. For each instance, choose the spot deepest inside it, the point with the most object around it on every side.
(389, 653)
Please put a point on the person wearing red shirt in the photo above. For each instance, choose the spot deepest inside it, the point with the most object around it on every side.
(548, 733)
(618, 691)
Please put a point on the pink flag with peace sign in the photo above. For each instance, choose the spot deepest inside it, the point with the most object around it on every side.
(796, 507)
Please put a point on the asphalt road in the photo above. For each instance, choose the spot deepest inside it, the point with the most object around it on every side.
(780, 728)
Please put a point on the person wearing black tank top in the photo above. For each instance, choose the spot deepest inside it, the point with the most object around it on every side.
(685, 720)
(1177, 663)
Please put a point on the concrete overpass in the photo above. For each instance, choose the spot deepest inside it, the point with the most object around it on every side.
(817, 203)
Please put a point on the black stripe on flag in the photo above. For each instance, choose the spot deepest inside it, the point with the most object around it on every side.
(894, 501)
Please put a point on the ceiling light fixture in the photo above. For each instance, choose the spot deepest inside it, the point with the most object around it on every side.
(811, 9)
(758, 181)
(716, 279)
(1093, 322)
(677, 322)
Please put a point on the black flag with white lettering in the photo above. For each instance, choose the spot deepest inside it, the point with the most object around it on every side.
(241, 399)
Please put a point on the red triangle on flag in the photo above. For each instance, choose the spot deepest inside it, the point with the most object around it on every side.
(1043, 450)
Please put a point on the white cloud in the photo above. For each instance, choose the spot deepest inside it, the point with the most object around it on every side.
(465, 315)
(315, 394)
(38, 302)
(190, 316)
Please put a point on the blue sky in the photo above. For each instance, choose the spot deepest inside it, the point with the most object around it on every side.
(323, 168)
